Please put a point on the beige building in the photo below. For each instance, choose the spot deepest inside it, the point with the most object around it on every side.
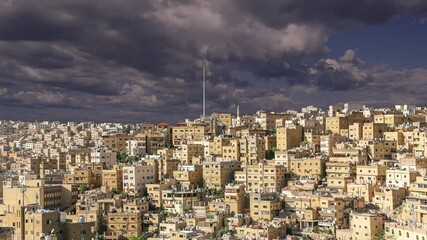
(123, 225)
(257, 232)
(113, 178)
(225, 118)
(252, 149)
(184, 132)
(267, 120)
(155, 191)
(216, 174)
(355, 131)
(365, 226)
(288, 138)
(262, 177)
(264, 206)
(374, 130)
(389, 198)
(397, 231)
(371, 173)
(393, 119)
(186, 152)
(365, 190)
(235, 198)
(117, 142)
(190, 176)
(307, 167)
(336, 124)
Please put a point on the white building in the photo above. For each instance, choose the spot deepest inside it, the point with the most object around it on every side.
(400, 178)
(136, 147)
(104, 156)
(136, 177)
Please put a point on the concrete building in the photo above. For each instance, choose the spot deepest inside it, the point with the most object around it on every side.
(216, 174)
(103, 156)
(135, 178)
(365, 226)
(288, 138)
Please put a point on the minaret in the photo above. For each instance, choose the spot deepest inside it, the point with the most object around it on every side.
(238, 116)
(238, 111)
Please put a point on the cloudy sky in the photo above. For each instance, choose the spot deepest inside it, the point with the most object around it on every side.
(134, 61)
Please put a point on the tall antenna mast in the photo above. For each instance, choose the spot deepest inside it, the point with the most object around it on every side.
(204, 90)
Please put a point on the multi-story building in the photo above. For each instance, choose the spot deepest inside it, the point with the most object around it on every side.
(374, 130)
(252, 149)
(371, 173)
(184, 132)
(235, 198)
(389, 198)
(103, 156)
(264, 206)
(288, 138)
(116, 142)
(336, 124)
(136, 177)
(400, 178)
(262, 177)
(113, 178)
(307, 167)
(365, 226)
(123, 225)
(186, 152)
(216, 174)
(190, 176)
(394, 230)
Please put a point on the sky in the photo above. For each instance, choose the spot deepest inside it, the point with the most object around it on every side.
(141, 61)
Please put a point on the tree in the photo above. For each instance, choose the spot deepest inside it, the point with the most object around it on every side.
(142, 237)
(380, 236)
(222, 232)
(83, 188)
(123, 157)
(99, 236)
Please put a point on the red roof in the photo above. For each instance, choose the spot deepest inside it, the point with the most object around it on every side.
(163, 124)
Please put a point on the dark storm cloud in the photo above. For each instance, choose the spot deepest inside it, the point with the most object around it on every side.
(142, 59)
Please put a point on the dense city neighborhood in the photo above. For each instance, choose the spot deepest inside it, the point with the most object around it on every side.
(347, 172)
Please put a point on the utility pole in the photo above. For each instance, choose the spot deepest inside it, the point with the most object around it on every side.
(204, 90)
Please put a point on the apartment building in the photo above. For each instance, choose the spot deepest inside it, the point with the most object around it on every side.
(337, 125)
(264, 206)
(371, 173)
(116, 142)
(113, 178)
(216, 174)
(365, 226)
(262, 177)
(400, 178)
(313, 167)
(252, 149)
(185, 153)
(123, 225)
(136, 177)
(184, 132)
(288, 138)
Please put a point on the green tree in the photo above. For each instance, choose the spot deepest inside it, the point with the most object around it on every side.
(84, 188)
(123, 157)
(99, 236)
(380, 236)
(222, 232)
(142, 237)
